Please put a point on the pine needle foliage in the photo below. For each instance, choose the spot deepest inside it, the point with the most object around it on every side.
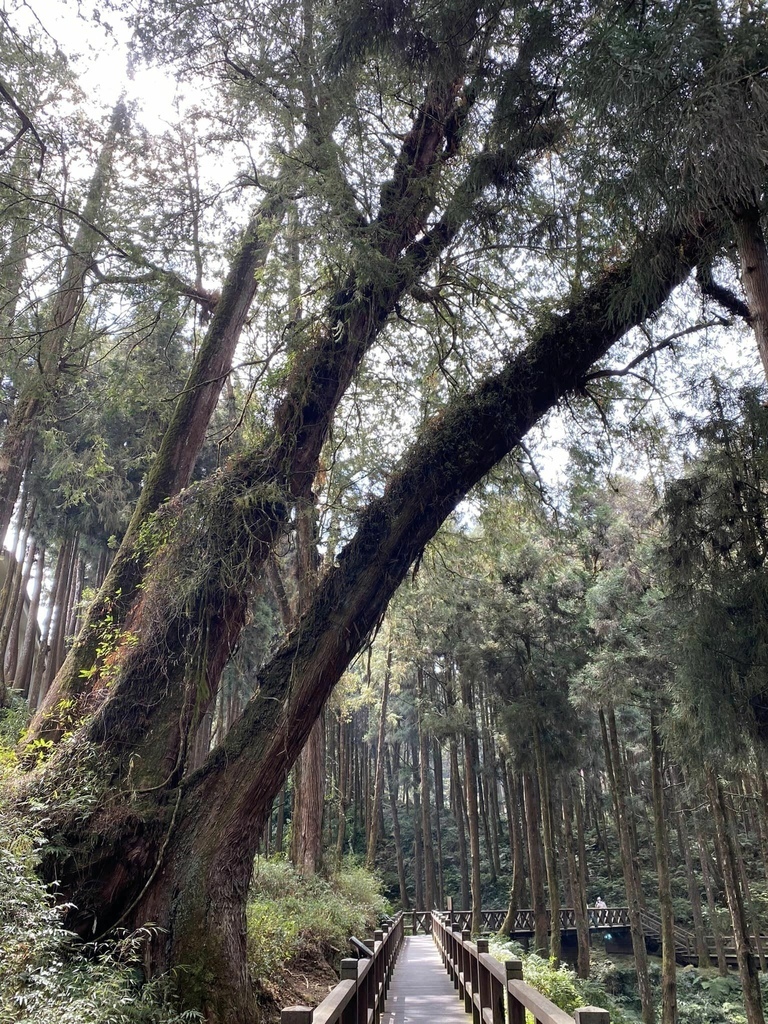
(716, 552)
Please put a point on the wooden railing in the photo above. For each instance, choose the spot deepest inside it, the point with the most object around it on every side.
(495, 993)
(359, 996)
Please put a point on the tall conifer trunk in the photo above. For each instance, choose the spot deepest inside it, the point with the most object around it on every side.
(628, 861)
(668, 962)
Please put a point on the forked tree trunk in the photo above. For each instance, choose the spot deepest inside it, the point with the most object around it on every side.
(181, 853)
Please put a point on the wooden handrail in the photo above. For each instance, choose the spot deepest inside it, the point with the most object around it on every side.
(359, 996)
(495, 993)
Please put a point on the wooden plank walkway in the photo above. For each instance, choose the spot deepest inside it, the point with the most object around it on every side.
(421, 989)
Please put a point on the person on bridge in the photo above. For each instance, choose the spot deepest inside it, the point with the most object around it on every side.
(600, 904)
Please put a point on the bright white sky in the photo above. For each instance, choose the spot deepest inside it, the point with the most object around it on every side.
(100, 57)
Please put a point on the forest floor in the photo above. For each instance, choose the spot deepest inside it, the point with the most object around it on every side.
(305, 980)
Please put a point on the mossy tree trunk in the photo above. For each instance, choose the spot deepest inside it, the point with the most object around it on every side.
(178, 850)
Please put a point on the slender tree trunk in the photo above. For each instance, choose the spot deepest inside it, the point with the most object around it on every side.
(578, 885)
(628, 860)
(513, 803)
(373, 830)
(459, 817)
(405, 902)
(668, 962)
(20, 608)
(345, 784)
(418, 845)
(536, 865)
(36, 693)
(709, 888)
(753, 919)
(31, 633)
(430, 886)
(542, 773)
(470, 782)
(694, 893)
(748, 973)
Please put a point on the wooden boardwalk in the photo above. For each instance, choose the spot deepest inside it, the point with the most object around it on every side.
(421, 989)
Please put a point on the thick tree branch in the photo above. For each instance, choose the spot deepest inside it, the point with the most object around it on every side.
(722, 295)
(454, 452)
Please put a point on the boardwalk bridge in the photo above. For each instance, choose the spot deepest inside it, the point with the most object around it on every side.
(439, 976)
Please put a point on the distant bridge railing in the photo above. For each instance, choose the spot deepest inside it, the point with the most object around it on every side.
(494, 992)
(359, 996)
(600, 918)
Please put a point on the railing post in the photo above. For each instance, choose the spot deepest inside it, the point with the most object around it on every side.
(378, 995)
(466, 969)
(456, 967)
(348, 972)
(483, 979)
(591, 1015)
(515, 1009)
(297, 1015)
(474, 973)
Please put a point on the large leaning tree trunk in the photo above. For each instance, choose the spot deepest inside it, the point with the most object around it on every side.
(178, 850)
(256, 494)
(322, 372)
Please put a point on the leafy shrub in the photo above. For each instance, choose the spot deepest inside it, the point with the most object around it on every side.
(47, 975)
(560, 984)
(704, 997)
(13, 721)
(288, 914)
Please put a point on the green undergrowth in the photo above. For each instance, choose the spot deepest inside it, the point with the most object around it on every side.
(47, 974)
(562, 986)
(290, 916)
(703, 997)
